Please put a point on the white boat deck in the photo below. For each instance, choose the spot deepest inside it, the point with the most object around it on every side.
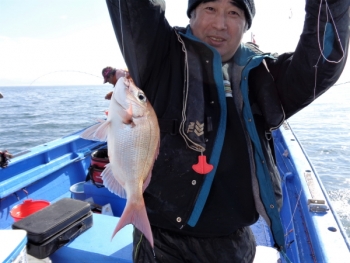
(265, 252)
(118, 248)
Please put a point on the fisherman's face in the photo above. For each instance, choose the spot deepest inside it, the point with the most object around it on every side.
(112, 79)
(221, 24)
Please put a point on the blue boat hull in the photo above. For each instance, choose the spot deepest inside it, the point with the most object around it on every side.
(313, 233)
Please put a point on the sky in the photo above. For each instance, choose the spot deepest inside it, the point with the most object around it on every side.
(69, 42)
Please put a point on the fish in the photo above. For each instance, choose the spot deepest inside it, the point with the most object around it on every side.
(133, 137)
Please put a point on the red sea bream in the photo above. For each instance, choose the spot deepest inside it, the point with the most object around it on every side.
(132, 135)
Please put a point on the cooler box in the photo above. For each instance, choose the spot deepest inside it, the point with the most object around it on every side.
(102, 196)
(13, 246)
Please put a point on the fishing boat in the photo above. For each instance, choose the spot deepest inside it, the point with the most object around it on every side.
(313, 231)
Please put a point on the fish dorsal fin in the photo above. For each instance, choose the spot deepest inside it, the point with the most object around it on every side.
(97, 132)
(102, 131)
(111, 183)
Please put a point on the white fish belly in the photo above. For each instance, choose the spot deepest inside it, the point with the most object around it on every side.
(131, 152)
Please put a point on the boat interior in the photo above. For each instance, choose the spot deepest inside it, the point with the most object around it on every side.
(313, 232)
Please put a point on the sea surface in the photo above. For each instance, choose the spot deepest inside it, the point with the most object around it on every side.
(31, 115)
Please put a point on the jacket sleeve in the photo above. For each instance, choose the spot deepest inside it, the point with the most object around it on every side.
(142, 33)
(304, 75)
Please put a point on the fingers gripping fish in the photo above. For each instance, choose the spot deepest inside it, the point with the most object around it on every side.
(132, 134)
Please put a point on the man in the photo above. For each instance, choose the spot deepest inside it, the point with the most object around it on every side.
(111, 75)
(5, 157)
(217, 97)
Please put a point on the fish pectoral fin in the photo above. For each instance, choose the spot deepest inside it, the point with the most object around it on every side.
(97, 132)
(126, 116)
(111, 183)
(102, 131)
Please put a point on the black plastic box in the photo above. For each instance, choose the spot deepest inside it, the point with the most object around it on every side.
(55, 225)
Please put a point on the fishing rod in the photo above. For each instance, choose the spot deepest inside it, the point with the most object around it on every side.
(57, 71)
(338, 84)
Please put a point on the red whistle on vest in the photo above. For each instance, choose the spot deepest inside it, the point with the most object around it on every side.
(202, 167)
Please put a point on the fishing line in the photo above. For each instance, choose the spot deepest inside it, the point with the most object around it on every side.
(295, 208)
(324, 39)
(316, 76)
(75, 71)
(335, 28)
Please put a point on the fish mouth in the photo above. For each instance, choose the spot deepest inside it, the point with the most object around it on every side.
(133, 102)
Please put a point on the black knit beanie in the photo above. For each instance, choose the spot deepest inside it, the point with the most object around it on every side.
(247, 5)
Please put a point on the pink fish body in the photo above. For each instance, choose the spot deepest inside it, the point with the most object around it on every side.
(132, 134)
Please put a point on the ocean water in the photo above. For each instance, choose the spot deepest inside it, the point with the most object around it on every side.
(323, 128)
(30, 116)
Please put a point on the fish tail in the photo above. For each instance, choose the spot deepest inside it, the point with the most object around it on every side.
(136, 214)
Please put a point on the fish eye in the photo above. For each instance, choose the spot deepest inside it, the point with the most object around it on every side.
(141, 97)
